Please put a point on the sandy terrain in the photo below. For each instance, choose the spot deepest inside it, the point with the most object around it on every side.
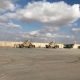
(39, 64)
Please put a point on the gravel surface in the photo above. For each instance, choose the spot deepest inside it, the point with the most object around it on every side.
(39, 64)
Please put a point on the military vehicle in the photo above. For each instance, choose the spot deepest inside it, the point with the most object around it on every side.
(78, 47)
(68, 46)
(52, 45)
(26, 44)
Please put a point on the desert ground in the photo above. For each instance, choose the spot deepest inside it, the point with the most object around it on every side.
(39, 64)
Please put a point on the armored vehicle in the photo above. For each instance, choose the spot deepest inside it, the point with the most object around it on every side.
(26, 44)
(68, 46)
(52, 45)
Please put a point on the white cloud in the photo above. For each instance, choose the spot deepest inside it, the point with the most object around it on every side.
(12, 25)
(48, 34)
(10, 15)
(76, 29)
(34, 32)
(6, 5)
(54, 14)
(51, 15)
(47, 37)
(39, 34)
(3, 19)
(10, 31)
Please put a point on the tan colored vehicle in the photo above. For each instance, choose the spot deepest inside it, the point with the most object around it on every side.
(26, 44)
(52, 45)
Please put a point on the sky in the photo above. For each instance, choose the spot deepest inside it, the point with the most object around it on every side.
(40, 20)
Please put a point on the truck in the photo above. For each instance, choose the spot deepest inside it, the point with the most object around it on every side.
(26, 44)
(69, 46)
(52, 45)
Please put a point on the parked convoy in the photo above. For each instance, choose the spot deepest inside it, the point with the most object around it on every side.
(28, 44)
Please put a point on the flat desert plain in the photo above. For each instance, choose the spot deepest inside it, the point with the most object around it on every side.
(39, 64)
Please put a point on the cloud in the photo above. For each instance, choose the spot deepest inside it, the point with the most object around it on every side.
(51, 15)
(76, 29)
(54, 14)
(6, 5)
(10, 25)
(10, 31)
(3, 19)
(44, 36)
(15, 26)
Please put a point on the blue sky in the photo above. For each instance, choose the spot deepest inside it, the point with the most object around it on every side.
(24, 2)
(40, 20)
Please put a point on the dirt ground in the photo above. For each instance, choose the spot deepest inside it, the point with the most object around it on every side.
(39, 64)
